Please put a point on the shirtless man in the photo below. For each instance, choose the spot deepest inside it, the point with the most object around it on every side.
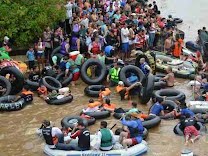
(168, 44)
(169, 78)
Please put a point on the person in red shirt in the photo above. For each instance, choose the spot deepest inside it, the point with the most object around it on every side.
(83, 135)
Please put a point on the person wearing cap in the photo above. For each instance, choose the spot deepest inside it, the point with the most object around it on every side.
(144, 66)
(125, 42)
(124, 91)
(106, 137)
(113, 75)
(133, 134)
(52, 135)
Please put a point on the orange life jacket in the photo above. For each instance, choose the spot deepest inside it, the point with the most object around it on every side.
(110, 107)
(178, 48)
(42, 91)
(94, 104)
(27, 92)
(107, 92)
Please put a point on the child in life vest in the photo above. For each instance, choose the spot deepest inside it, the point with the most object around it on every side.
(42, 91)
(104, 93)
(93, 106)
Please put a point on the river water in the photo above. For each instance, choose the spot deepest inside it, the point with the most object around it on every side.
(17, 129)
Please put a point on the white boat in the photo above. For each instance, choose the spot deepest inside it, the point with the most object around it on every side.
(202, 103)
(136, 150)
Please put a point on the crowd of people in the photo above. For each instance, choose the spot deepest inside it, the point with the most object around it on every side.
(108, 31)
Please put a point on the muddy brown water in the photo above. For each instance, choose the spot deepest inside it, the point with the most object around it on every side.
(18, 137)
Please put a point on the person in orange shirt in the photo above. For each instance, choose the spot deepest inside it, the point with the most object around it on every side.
(104, 93)
(177, 51)
(26, 94)
(124, 91)
(42, 91)
(93, 106)
(108, 105)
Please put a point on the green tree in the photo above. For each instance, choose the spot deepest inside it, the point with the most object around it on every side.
(24, 20)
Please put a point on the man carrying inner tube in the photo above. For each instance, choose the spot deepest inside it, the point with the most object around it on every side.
(67, 65)
(124, 91)
(144, 66)
(132, 134)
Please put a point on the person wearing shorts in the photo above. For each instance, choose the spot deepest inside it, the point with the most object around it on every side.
(132, 135)
(40, 53)
(125, 41)
(190, 130)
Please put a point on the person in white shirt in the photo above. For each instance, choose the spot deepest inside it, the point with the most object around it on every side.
(68, 7)
(125, 42)
(106, 137)
(52, 135)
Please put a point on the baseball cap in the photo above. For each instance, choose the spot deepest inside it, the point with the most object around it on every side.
(120, 83)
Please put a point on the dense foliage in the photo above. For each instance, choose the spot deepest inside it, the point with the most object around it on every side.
(24, 20)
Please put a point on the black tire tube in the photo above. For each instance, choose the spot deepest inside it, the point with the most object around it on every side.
(17, 85)
(55, 51)
(178, 20)
(65, 82)
(65, 121)
(93, 90)
(147, 89)
(64, 100)
(198, 110)
(144, 135)
(119, 115)
(5, 84)
(151, 123)
(87, 79)
(132, 69)
(6, 105)
(98, 115)
(178, 95)
(56, 84)
(160, 85)
(200, 127)
(33, 85)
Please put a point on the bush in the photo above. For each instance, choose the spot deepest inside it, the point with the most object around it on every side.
(25, 20)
